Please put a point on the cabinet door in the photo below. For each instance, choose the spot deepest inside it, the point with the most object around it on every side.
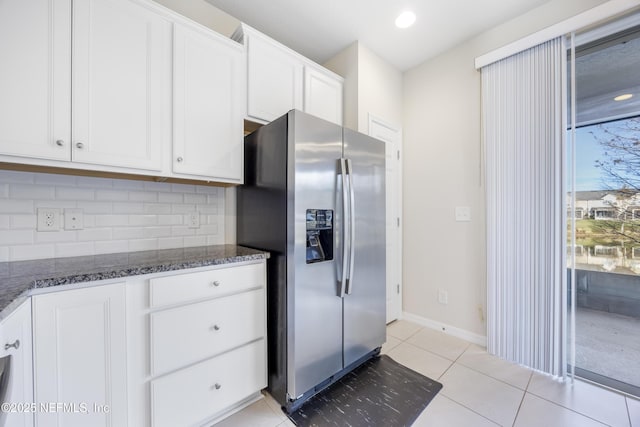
(274, 80)
(322, 95)
(208, 106)
(80, 356)
(16, 342)
(35, 78)
(121, 84)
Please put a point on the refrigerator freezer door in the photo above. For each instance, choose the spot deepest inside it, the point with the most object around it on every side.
(314, 306)
(365, 305)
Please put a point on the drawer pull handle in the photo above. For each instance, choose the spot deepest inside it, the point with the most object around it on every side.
(215, 328)
(216, 284)
(16, 345)
(216, 386)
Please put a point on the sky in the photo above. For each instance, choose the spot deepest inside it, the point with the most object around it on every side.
(588, 150)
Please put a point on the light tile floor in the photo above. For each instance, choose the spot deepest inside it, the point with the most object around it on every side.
(479, 390)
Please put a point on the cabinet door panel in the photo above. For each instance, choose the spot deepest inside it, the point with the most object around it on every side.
(121, 84)
(16, 332)
(208, 106)
(80, 355)
(35, 78)
(274, 80)
(322, 96)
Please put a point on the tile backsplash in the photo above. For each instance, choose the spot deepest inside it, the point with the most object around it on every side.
(119, 215)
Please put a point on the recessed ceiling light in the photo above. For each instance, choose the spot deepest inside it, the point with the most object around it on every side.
(623, 97)
(405, 19)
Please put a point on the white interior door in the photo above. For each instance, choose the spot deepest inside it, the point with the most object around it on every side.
(392, 136)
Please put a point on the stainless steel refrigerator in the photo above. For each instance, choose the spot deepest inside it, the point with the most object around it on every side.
(314, 197)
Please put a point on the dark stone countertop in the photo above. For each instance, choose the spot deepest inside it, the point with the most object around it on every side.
(19, 279)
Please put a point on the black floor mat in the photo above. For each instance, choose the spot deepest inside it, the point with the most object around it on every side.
(381, 392)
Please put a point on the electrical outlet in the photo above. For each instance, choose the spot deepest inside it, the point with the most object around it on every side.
(73, 219)
(48, 219)
(193, 219)
(443, 297)
(463, 213)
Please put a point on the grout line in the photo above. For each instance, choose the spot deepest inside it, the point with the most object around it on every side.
(524, 394)
(470, 409)
(568, 409)
(626, 402)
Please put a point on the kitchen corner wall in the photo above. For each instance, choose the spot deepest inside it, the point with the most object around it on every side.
(119, 215)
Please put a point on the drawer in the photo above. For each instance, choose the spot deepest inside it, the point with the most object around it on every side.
(187, 334)
(189, 287)
(192, 395)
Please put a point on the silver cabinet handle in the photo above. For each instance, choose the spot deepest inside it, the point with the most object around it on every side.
(215, 328)
(16, 345)
(215, 283)
(80, 145)
(59, 143)
(179, 159)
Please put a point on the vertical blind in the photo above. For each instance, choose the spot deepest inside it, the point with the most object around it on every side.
(523, 104)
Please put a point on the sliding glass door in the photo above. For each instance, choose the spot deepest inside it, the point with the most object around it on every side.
(603, 204)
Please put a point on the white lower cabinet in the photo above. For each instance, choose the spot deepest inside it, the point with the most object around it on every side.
(15, 350)
(80, 357)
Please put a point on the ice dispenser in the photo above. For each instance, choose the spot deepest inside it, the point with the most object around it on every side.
(319, 235)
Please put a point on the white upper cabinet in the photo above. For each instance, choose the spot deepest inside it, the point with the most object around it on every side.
(322, 95)
(208, 85)
(274, 79)
(121, 84)
(280, 79)
(35, 77)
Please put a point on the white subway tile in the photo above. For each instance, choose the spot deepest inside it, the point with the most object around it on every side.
(16, 206)
(16, 237)
(89, 220)
(74, 193)
(143, 196)
(213, 199)
(207, 229)
(4, 253)
(182, 209)
(215, 240)
(55, 179)
(23, 221)
(74, 249)
(170, 242)
(111, 246)
(15, 176)
(182, 231)
(94, 182)
(143, 220)
(170, 197)
(94, 234)
(157, 232)
(208, 209)
(157, 186)
(127, 184)
(195, 198)
(183, 188)
(128, 207)
(190, 241)
(96, 207)
(60, 204)
(157, 208)
(112, 195)
(214, 219)
(112, 220)
(207, 189)
(143, 245)
(56, 236)
(4, 191)
(26, 252)
(4, 223)
(128, 233)
(170, 219)
(30, 191)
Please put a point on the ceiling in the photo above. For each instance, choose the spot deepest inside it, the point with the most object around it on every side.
(320, 29)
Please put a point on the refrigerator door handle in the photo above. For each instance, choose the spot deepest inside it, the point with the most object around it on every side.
(352, 227)
(345, 224)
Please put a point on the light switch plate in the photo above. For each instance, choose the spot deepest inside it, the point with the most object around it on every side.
(463, 213)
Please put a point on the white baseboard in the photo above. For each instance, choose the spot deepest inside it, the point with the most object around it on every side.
(480, 340)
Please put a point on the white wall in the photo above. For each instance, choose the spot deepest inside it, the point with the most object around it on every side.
(371, 86)
(119, 215)
(442, 170)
